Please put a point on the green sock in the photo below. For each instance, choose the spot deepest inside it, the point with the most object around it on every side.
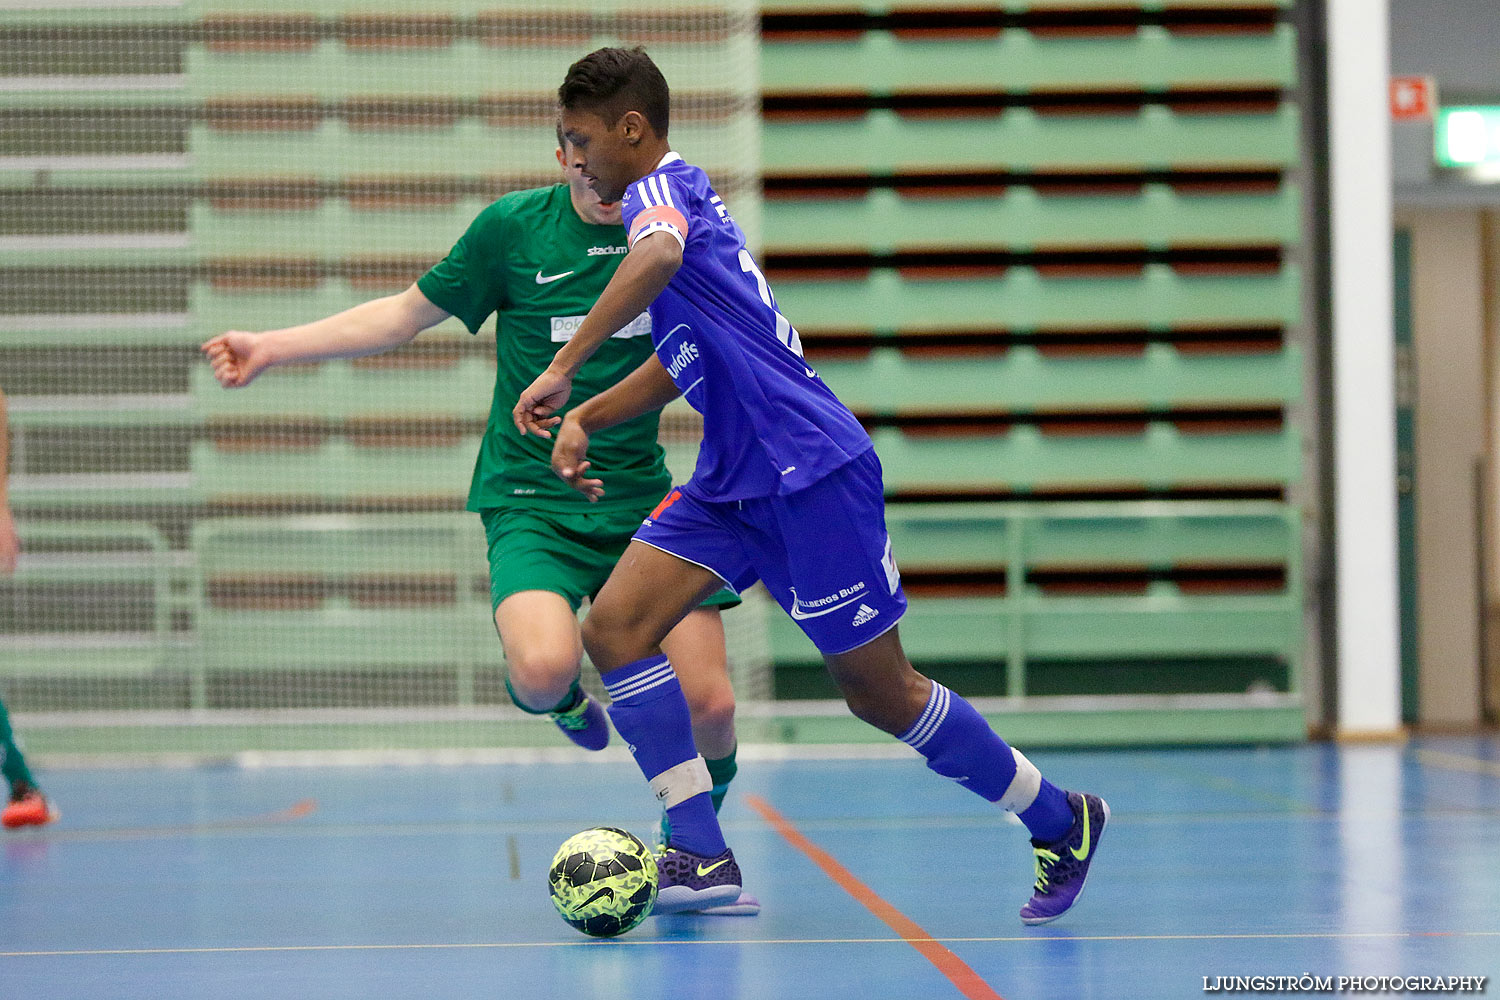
(570, 701)
(721, 772)
(12, 764)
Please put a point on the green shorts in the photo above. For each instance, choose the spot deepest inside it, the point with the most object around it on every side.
(564, 553)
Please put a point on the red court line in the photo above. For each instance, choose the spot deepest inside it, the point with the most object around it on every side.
(293, 812)
(949, 964)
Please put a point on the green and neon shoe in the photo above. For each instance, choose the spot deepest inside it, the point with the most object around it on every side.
(585, 724)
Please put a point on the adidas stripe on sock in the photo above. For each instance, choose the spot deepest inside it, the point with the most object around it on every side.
(649, 711)
(959, 744)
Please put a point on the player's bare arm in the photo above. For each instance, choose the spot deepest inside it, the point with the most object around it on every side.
(647, 388)
(641, 277)
(369, 328)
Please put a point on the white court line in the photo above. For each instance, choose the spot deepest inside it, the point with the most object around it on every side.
(694, 942)
(347, 830)
(1458, 762)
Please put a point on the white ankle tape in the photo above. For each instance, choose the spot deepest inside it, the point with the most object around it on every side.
(677, 784)
(1023, 788)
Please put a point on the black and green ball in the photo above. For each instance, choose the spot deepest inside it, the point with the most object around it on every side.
(603, 881)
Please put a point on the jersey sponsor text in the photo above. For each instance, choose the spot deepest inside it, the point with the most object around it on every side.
(563, 328)
(686, 355)
(819, 606)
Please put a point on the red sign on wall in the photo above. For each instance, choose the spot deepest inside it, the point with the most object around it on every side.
(1413, 98)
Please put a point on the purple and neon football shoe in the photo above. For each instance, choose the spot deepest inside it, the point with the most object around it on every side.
(688, 881)
(1062, 866)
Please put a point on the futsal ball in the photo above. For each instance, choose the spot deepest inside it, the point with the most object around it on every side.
(603, 881)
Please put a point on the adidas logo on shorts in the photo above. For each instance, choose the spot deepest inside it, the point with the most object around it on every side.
(864, 614)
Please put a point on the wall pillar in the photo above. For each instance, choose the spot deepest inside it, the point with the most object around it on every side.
(1368, 667)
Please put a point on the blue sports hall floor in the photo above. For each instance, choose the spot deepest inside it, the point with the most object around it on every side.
(878, 880)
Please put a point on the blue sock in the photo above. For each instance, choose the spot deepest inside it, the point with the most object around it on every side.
(959, 744)
(1050, 817)
(649, 711)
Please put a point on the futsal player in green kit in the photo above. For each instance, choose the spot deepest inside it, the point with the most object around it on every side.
(25, 805)
(538, 259)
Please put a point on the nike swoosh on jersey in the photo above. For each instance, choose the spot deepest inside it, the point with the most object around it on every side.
(549, 279)
(705, 869)
(1082, 851)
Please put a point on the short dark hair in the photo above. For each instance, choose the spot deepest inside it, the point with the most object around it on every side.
(612, 81)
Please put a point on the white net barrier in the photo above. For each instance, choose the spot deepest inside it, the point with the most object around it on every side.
(287, 566)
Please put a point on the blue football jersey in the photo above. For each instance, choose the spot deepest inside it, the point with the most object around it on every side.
(770, 425)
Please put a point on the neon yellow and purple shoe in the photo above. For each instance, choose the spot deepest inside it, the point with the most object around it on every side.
(692, 882)
(1063, 866)
(585, 724)
(745, 906)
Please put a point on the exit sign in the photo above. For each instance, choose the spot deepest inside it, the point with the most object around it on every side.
(1467, 136)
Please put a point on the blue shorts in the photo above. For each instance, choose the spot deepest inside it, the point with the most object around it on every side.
(822, 552)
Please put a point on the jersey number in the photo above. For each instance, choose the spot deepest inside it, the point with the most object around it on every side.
(785, 332)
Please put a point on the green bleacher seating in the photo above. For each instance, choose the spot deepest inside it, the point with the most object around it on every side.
(465, 68)
(1023, 6)
(340, 389)
(332, 229)
(85, 170)
(96, 491)
(338, 468)
(1024, 218)
(1016, 60)
(343, 591)
(326, 150)
(131, 562)
(1020, 139)
(105, 329)
(118, 13)
(1031, 416)
(94, 251)
(890, 381)
(1029, 622)
(998, 631)
(214, 310)
(30, 414)
(1024, 458)
(1089, 534)
(1022, 299)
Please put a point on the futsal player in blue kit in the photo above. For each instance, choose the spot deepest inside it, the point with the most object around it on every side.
(787, 490)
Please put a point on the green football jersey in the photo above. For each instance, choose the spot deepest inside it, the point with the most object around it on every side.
(533, 262)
